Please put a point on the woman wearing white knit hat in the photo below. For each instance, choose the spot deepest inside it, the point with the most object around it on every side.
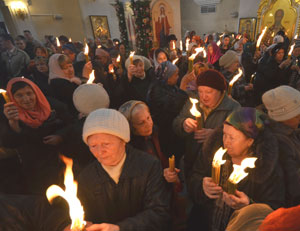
(124, 188)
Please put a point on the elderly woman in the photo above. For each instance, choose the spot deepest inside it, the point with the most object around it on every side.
(214, 106)
(229, 64)
(244, 135)
(62, 79)
(35, 126)
(123, 189)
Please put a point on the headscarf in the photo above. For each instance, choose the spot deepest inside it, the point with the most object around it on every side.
(248, 120)
(55, 71)
(165, 70)
(212, 58)
(147, 63)
(127, 108)
(155, 55)
(36, 118)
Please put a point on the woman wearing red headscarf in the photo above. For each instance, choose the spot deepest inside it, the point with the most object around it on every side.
(213, 55)
(35, 127)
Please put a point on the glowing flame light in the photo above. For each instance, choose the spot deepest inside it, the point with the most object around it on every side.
(236, 77)
(173, 45)
(218, 157)
(198, 50)
(296, 36)
(181, 48)
(70, 195)
(99, 46)
(194, 110)
(175, 61)
(111, 69)
(187, 43)
(261, 37)
(91, 77)
(132, 53)
(291, 50)
(119, 58)
(239, 173)
(86, 49)
(70, 40)
(57, 42)
(219, 43)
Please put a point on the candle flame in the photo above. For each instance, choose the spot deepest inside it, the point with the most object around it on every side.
(198, 50)
(57, 42)
(2, 91)
(218, 157)
(194, 110)
(187, 43)
(132, 53)
(204, 53)
(175, 61)
(296, 36)
(236, 77)
(119, 59)
(239, 173)
(91, 77)
(70, 39)
(219, 43)
(239, 37)
(181, 48)
(261, 37)
(273, 34)
(291, 50)
(86, 49)
(173, 45)
(99, 46)
(111, 69)
(70, 195)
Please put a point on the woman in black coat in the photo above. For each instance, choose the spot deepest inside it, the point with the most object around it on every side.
(245, 134)
(165, 101)
(35, 127)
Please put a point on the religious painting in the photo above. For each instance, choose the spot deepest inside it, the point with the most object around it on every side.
(100, 27)
(130, 23)
(248, 26)
(162, 22)
(279, 16)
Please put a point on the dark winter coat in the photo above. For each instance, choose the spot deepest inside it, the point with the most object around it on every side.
(264, 184)
(139, 201)
(41, 80)
(215, 119)
(40, 162)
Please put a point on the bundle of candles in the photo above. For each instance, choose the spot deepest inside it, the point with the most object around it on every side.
(260, 38)
(70, 195)
(196, 113)
(216, 165)
(233, 80)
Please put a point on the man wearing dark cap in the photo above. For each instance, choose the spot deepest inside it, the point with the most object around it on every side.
(214, 105)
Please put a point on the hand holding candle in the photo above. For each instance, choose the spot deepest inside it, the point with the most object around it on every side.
(196, 113)
(216, 165)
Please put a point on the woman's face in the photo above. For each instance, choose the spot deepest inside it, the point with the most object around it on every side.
(68, 70)
(236, 143)
(140, 71)
(161, 57)
(42, 67)
(142, 123)
(293, 122)
(40, 52)
(25, 98)
(108, 149)
(122, 49)
(210, 50)
(173, 79)
(226, 41)
(279, 56)
(209, 96)
(233, 67)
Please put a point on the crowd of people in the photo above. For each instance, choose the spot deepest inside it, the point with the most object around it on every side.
(121, 129)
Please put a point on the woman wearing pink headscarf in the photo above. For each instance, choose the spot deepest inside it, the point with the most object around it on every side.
(213, 55)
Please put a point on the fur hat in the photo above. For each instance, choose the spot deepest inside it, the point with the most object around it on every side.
(228, 58)
(283, 103)
(89, 97)
(107, 121)
(212, 78)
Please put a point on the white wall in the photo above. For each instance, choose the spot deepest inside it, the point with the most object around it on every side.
(248, 8)
(102, 8)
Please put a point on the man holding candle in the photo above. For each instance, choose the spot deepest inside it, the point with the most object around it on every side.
(245, 134)
(124, 187)
(214, 106)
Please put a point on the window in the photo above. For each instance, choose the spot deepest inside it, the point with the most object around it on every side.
(208, 9)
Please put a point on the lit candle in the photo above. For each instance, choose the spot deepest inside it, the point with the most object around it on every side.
(91, 77)
(173, 45)
(252, 77)
(70, 39)
(112, 71)
(260, 38)
(219, 43)
(172, 163)
(175, 61)
(86, 53)
(119, 62)
(216, 165)
(70, 195)
(196, 113)
(291, 51)
(5, 96)
(57, 42)
(233, 80)
(181, 48)
(239, 173)
(99, 46)
(131, 57)
(187, 43)
(192, 57)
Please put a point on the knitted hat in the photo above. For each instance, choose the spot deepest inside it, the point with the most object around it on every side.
(278, 39)
(212, 78)
(127, 108)
(283, 103)
(228, 58)
(107, 121)
(248, 120)
(147, 63)
(89, 97)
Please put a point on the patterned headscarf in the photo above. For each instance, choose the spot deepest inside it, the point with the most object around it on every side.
(165, 70)
(248, 120)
